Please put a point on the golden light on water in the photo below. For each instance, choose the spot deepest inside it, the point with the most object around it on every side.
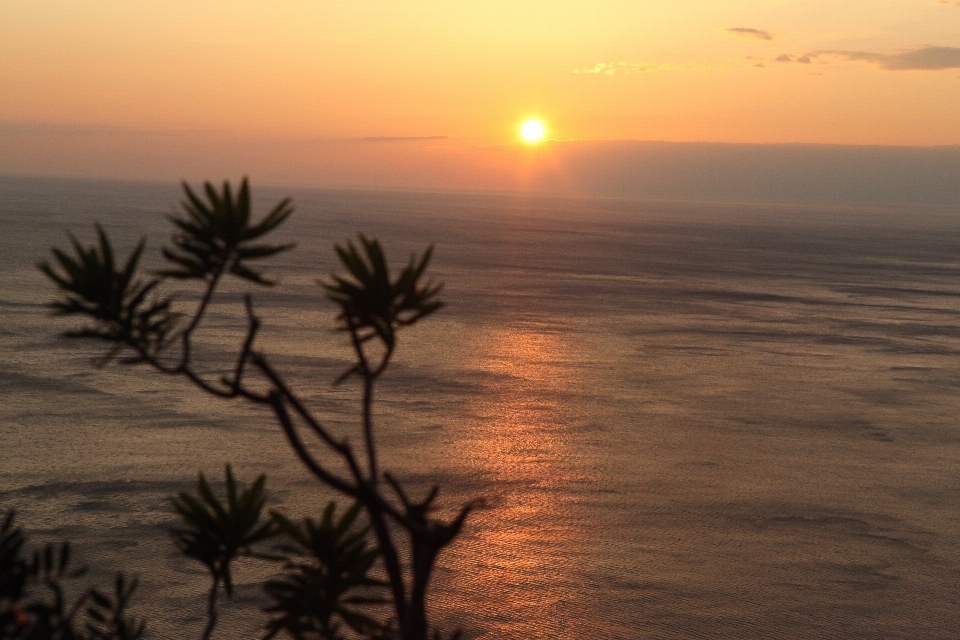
(532, 131)
(520, 440)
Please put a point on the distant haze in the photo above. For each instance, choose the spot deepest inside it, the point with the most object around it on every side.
(764, 173)
(646, 170)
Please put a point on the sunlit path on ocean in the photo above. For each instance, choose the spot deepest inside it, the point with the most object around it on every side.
(523, 439)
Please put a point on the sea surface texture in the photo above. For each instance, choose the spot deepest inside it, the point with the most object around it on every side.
(688, 420)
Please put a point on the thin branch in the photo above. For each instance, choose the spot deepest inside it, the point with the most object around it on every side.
(415, 510)
(368, 379)
(276, 401)
(234, 387)
(184, 370)
(198, 315)
(203, 384)
(376, 505)
(253, 325)
(257, 398)
(398, 489)
(453, 528)
(390, 559)
(283, 393)
(356, 341)
(262, 364)
(211, 609)
(368, 428)
(431, 496)
(383, 364)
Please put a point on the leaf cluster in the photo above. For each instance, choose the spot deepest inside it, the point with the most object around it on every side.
(33, 601)
(121, 304)
(216, 236)
(326, 578)
(373, 305)
(216, 532)
(106, 619)
(213, 237)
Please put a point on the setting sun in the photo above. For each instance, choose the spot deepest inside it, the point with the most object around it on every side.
(532, 131)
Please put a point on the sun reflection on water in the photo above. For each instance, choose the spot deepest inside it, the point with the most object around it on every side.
(513, 571)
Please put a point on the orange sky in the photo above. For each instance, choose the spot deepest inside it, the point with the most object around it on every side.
(296, 72)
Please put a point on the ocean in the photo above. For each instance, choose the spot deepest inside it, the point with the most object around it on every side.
(688, 420)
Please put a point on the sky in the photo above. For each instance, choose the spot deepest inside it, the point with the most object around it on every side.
(387, 91)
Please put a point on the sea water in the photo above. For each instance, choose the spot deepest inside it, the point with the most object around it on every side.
(687, 420)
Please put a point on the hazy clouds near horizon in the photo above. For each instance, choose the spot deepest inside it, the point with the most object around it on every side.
(789, 173)
(767, 173)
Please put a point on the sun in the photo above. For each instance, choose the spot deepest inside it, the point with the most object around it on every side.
(532, 131)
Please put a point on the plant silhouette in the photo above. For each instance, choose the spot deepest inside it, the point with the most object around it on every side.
(34, 602)
(326, 580)
(216, 533)
(215, 238)
(95, 287)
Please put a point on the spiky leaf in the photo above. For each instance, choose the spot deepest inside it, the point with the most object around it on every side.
(215, 236)
(124, 309)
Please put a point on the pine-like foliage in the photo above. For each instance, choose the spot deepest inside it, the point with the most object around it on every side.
(120, 303)
(216, 236)
(326, 580)
(215, 532)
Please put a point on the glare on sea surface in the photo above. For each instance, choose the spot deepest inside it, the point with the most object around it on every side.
(532, 130)
(521, 436)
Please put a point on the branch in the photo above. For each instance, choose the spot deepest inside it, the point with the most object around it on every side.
(211, 609)
(234, 387)
(356, 341)
(367, 493)
(385, 362)
(425, 505)
(368, 378)
(413, 508)
(453, 528)
(276, 398)
(398, 489)
(198, 315)
(253, 325)
(262, 364)
(276, 401)
(368, 428)
(390, 559)
(184, 370)
(195, 378)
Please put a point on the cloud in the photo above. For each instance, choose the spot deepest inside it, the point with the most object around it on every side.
(750, 33)
(398, 138)
(927, 58)
(54, 129)
(612, 68)
(786, 57)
